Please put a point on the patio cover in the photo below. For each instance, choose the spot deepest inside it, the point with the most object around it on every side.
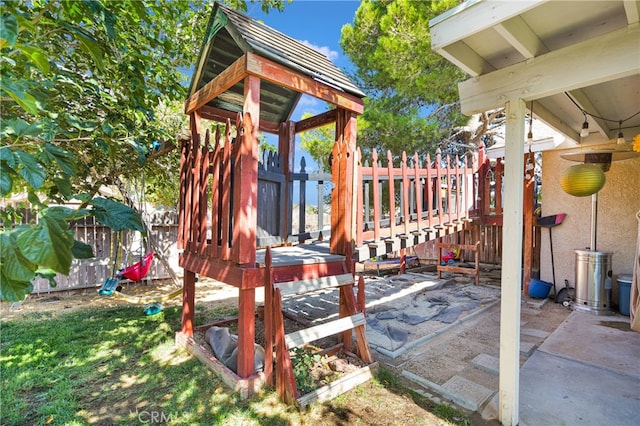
(564, 57)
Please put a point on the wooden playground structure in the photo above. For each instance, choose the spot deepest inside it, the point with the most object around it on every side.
(236, 221)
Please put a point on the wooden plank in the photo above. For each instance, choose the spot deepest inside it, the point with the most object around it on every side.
(318, 120)
(225, 179)
(314, 284)
(307, 335)
(392, 194)
(222, 115)
(285, 380)
(216, 205)
(245, 387)
(359, 201)
(268, 318)
(188, 302)
(279, 74)
(375, 183)
(203, 199)
(338, 387)
(223, 81)
(246, 331)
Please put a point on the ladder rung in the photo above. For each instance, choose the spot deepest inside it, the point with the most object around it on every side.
(317, 332)
(304, 286)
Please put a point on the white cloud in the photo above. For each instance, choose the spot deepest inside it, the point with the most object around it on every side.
(325, 50)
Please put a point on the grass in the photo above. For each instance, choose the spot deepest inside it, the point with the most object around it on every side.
(117, 366)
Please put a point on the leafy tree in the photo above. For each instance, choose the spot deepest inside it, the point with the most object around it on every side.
(82, 83)
(412, 102)
(318, 143)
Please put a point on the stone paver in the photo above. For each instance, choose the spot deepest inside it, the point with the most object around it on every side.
(488, 363)
(471, 395)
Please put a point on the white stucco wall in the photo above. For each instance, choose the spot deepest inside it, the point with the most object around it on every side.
(617, 227)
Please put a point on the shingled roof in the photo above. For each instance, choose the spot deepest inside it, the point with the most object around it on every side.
(230, 35)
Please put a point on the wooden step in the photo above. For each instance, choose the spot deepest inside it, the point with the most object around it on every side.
(321, 331)
(290, 288)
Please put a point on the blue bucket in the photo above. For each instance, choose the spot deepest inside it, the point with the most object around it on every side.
(539, 289)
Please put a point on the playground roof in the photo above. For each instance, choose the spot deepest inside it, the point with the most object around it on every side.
(231, 35)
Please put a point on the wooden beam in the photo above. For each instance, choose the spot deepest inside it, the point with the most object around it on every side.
(247, 332)
(610, 56)
(521, 37)
(632, 10)
(466, 59)
(222, 115)
(279, 74)
(225, 80)
(472, 17)
(509, 382)
(319, 120)
(188, 302)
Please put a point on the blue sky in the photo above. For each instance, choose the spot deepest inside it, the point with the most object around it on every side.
(318, 24)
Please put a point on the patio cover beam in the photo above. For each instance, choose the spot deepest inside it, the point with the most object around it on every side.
(610, 56)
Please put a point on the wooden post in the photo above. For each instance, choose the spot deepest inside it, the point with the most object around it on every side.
(438, 188)
(286, 148)
(188, 302)
(184, 155)
(268, 318)
(342, 175)
(405, 194)
(360, 201)
(418, 190)
(376, 195)
(509, 380)
(527, 210)
(245, 191)
(225, 208)
(216, 206)
(392, 196)
(429, 184)
(203, 201)
(246, 331)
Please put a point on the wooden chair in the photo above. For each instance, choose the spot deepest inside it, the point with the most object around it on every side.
(475, 248)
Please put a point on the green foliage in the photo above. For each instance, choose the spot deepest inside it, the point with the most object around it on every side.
(304, 360)
(84, 85)
(412, 102)
(319, 143)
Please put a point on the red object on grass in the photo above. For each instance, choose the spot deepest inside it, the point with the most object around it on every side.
(138, 270)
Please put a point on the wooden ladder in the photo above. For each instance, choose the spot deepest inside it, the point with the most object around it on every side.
(351, 319)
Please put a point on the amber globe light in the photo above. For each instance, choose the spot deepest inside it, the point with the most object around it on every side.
(582, 180)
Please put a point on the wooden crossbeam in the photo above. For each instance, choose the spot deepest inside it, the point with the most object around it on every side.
(304, 286)
(307, 335)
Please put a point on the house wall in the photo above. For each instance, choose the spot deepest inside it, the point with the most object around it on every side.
(617, 227)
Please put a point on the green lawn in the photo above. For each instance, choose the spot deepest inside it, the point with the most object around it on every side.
(117, 366)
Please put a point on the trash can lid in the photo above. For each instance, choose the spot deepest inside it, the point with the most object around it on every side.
(625, 277)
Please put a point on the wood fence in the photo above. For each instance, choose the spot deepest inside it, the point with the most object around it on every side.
(411, 197)
(122, 248)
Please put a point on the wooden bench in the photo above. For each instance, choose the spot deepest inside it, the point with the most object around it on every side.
(475, 248)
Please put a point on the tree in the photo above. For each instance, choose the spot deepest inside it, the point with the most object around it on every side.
(319, 143)
(81, 84)
(412, 100)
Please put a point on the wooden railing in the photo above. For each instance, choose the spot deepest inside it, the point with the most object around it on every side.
(235, 202)
(412, 196)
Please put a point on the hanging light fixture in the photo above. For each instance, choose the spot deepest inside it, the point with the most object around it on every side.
(621, 140)
(585, 127)
(582, 180)
(530, 134)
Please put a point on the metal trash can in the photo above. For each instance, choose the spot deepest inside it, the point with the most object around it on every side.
(593, 277)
